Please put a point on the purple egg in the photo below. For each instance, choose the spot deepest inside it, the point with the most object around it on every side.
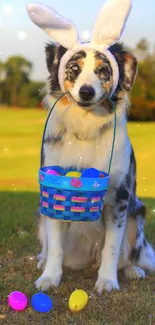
(52, 172)
(17, 301)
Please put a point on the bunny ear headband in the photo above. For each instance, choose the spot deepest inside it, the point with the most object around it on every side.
(107, 30)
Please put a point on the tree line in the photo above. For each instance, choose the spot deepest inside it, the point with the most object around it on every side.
(18, 90)
(143, 93)
(16, 87)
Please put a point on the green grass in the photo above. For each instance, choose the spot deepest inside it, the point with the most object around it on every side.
(142, 136)
(133, 305)
(20, 140)
(20, 134)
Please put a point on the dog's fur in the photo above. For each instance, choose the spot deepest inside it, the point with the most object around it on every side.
(79, 134)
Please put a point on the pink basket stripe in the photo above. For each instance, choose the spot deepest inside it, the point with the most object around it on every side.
(96, 199)
(79, 199)
(58, 207)
(77, 209)
(94, 209)
(45, 204)
(45, 194)
(59, 197)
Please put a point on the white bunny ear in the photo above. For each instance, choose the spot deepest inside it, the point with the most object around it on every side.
(57, 27)
(111, 22)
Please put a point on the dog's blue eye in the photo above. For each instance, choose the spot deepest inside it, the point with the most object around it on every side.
(104, 73)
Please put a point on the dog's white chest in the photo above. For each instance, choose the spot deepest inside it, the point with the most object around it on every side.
(73, 152)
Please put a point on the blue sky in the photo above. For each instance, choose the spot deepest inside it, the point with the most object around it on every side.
(18, 35)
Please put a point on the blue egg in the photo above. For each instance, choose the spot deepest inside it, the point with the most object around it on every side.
(41, 302)
(91, 173)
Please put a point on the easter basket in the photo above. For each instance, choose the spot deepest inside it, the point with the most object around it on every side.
(72, 199)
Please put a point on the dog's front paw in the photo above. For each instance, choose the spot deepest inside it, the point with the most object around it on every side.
(45, 282)
(106, 284)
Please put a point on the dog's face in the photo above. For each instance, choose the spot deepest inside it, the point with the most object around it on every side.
(88, 77)
(88, 74)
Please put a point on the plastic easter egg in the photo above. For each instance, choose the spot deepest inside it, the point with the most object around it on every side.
(73, 174)
(52, 172)
(78, 300)
(41, 302)
(91, 173)
(17, 301)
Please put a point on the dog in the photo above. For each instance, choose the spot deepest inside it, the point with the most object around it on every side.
(79, 134)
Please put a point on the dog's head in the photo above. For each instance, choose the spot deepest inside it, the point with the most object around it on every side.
(87, 74)
(87, 77)
(90, 71)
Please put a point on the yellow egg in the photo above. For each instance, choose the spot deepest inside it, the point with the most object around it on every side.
(73, 174)
(78, 300)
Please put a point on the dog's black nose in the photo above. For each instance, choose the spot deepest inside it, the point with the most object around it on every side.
(87, 92)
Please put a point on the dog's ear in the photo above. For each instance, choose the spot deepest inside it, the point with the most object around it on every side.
(127, 64)
(54, 53)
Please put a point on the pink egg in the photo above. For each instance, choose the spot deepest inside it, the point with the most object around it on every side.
(52, 172)
(17, 300)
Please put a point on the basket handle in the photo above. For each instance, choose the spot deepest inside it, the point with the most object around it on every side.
(114, 133)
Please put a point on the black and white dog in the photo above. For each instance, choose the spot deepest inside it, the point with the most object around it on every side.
(79, 134)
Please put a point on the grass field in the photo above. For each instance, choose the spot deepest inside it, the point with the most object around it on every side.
(20, 137)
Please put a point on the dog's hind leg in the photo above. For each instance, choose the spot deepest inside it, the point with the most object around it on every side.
(142, 255)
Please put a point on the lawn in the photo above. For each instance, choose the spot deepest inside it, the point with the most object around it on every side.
(20, 137)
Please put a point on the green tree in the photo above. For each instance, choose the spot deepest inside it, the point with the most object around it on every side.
(17, 73)
(1, 81)
(142, 49)
(143, 93)
(1, 69)
(145, 82)
(29, 95)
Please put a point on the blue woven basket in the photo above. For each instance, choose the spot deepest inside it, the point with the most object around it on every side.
(72, 199)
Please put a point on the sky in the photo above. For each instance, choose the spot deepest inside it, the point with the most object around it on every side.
(19, 36)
